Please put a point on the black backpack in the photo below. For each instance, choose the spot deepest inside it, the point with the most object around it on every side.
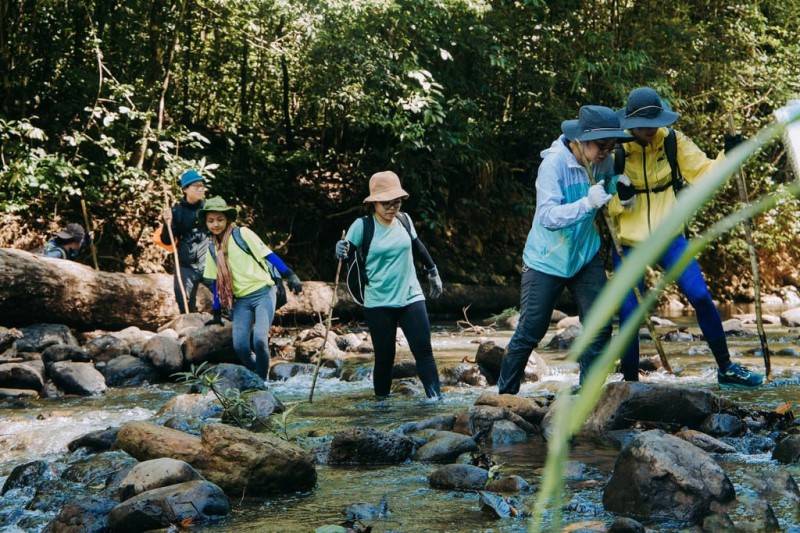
(357, 280)
(671, 151)
(280, 293)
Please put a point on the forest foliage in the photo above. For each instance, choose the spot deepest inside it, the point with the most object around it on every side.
(289, 105)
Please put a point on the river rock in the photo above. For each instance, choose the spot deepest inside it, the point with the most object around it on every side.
(367, 511)
(459, 477)
(64, 352)
(7, 337)
(129, 371)
(194, 501)
(100, 470)
(441, 422)
(208, 343)
(625, 403)
(790, 318)
(135, 338)
(677, 336)
(263, 404)
(365, 446)
(626, 525)
(508, 485)
(154, 474)
(106, 348)
(489, 358)
(445, 447)
(723, 425)
(705, 442)
(734, 328)
(463, 373)
(37, 337)
(481, 420)
(183, 324)
(26, 475)
(235, 459)
(528, 408)
(506, 433)
(100, 440)
(568, 321)
(564, 339)
(202, 406)
(51, 494)
(788, 450)
(77, 378)
(21, 376)
(88, 514)
(660, 474)
(284, 371)
(233, 376)
(18, 394)
(191, 425)
(349, 342)
(403, 369)
(164, 353)
(749, 319)
(407, 387)
(308, 345)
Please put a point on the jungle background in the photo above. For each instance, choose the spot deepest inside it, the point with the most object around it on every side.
(288, 106)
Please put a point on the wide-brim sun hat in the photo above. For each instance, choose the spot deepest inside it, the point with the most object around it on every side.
(385, 187)
(217, 205)
(594, 122)
(189, 177)
(645, 109)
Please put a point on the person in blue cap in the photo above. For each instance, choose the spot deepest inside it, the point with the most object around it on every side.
(562, 249)
(67, 243)
(192, 237)
(654, 167)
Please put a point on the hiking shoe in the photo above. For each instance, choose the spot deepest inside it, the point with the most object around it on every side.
(738, 375)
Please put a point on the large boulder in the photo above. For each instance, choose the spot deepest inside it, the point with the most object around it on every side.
(200, 406)
(105, 348)
(129, 371)
(207, 343)
(233, 376)
(77, 378)
(103, 470)
(623, 404)
(528, 408)
(365, 446)
(37, 337)
(64, 352)
(88, 514)
(164, 353)
(235, 459)
(154, 474)
(21, 376)
(660, 474)
(445, 447)
(459, 477)
(194, 502)
(100, 440)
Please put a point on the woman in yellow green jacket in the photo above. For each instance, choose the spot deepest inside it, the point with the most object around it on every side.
(653, 167)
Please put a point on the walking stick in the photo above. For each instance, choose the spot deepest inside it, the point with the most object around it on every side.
(177, 260)
(751, 248)
(91, 231)
(618, 247)
(321, 351)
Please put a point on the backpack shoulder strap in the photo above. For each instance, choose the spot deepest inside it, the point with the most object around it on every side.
(406, 222)
(368, 231)
(238, 238)
(619, 160)
(671, 151)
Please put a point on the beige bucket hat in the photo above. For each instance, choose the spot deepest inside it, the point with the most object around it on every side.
(385, 187)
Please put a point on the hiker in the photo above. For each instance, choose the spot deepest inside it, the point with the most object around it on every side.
(655, 165)
(67, 243)
(563, 245)
(237, 267)
(393, 295)
(191, 236)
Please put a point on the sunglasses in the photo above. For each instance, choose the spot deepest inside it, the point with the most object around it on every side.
(392, 203)
(605, 146)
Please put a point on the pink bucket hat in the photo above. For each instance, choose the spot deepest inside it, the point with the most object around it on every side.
(385, 187)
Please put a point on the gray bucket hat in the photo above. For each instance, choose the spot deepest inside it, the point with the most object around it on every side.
(594, 122)
(645, 109)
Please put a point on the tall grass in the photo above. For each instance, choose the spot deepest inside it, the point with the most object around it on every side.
(572, 412)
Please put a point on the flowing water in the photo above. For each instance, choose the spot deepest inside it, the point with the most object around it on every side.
(43, 428)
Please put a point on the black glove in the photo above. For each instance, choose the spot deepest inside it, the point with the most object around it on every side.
(217, 320)
(625, 191)
(294, 283)
(732, 141)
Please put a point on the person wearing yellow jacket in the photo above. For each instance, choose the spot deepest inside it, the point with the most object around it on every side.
(652, 168)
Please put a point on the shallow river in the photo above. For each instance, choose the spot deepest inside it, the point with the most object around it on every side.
(43, 429)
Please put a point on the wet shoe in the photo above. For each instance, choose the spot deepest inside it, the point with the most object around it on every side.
(737, 375)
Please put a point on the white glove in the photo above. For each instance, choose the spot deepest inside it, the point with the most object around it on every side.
(626, 183)
(597, 196)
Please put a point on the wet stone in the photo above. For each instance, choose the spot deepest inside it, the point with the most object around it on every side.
(233, 376)
(25, 475)
(95, 441)
(101, 471)
(88, 514)
(723, 425)
(506, 433)
(626, 525)
(369, 446)
(37, 337)
(788, 450)
(459, 477)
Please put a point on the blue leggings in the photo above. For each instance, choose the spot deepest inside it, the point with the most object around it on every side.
(254, 311)
(693, 286)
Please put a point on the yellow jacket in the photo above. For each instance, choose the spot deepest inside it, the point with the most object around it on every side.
(648, 169)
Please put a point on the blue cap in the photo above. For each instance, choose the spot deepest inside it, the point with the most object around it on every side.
(594, 122)
(645, 109)
(189, 177)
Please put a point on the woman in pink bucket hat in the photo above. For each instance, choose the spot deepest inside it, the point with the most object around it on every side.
(385, 244)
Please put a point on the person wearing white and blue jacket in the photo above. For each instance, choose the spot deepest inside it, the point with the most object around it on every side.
(562, 249)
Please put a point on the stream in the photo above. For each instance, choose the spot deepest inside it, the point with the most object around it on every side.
(42, 429)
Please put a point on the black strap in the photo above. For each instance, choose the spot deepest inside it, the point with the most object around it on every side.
(619, 160)
(670, 151)
(241, 243)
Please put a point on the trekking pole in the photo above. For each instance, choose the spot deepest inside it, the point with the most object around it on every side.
(321, 352)
(177, 260)
(751, 248)
(662, 355)
(91, 231)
